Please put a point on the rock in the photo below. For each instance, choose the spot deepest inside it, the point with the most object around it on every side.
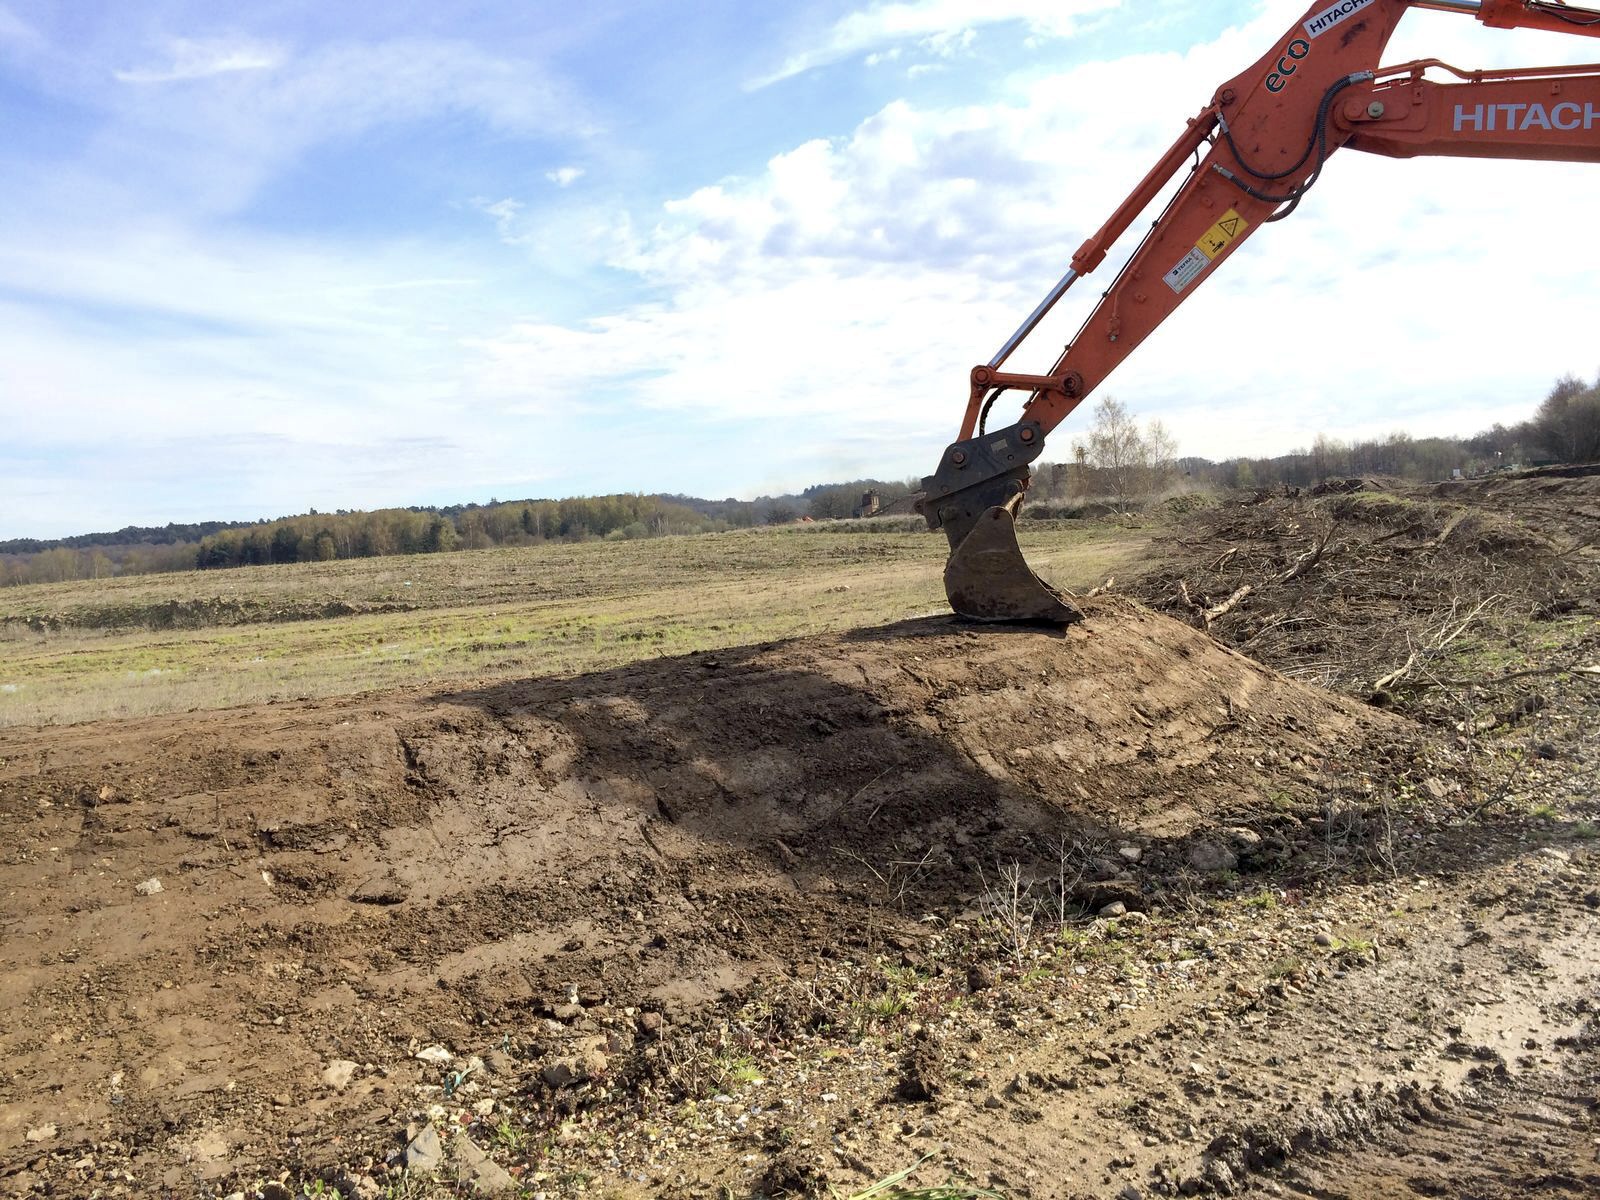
(382, 888)
(150, 887)
(561, 1073)
(1435, 788)
(1220, 1177)
(274, 1190)
(1107, 868)
(424, 1153)
(1123, 889)
(339, 1073)
(650, 1024)
(210, 1146)
(499, 1062)
(1115, 909)
(1097, 1059)
(1130, 854)
(41, 1133)
(362, 1187)
(922, 1078)
(1130, 1193)
(1325, 939)
(482, 1175)
(1244, 841)
(1208, 857)
(991, 1101)
(437, 1055)
(566, 1013)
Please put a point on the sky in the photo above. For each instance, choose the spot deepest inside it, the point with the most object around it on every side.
(276, 255)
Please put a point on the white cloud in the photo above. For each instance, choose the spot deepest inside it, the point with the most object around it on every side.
(199, 59)
(185, 375)
(213, 153)
(942, 26)
(564, 176)
(847, 289)
(822, 312)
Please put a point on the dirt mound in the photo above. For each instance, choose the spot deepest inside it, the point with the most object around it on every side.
(198, 613)
(1343, 487)
(1562, 500)
(347, 881)
(1348, 588)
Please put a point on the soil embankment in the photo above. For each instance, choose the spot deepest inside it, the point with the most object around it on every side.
(1106, 912)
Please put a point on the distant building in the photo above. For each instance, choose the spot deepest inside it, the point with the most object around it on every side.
(870, 502)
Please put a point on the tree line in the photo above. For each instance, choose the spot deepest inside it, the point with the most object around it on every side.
(131, 535)
(1119, 462)
(326, 537)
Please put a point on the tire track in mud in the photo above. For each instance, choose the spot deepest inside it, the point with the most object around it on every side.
(1461, 1060)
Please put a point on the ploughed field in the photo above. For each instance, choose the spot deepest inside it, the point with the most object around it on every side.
(1120, 910)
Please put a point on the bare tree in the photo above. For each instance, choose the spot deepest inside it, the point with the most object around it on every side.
(1161, 453)
(1127, 460)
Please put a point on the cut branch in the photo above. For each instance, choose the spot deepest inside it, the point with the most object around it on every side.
(1307, 560)
(1228, 605)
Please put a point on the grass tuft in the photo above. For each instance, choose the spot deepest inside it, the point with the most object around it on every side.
(891, 1188)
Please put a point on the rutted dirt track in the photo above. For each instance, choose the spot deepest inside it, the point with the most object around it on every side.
(773, 880)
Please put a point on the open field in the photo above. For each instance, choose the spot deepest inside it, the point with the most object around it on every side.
(1116, 911)
(176, 643)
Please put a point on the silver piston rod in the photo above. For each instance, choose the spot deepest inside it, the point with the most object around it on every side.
(1034, 318)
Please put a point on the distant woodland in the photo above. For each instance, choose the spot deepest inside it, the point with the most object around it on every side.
(323, 537)
(1119, 463)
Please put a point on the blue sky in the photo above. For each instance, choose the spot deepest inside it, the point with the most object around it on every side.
(263, 257)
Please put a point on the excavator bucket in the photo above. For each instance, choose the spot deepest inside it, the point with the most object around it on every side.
(987, 579)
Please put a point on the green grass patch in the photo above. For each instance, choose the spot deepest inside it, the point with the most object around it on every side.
(445, 619)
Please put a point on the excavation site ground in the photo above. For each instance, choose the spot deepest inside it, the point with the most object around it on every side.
(1276, 876)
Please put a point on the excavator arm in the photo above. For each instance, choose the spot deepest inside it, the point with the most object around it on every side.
(1246, 160)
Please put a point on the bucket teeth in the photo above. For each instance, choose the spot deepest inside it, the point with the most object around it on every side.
(987, 579)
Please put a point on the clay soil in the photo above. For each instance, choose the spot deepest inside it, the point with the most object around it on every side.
(1119, 911)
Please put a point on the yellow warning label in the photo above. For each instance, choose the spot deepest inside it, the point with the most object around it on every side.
(1222, 235)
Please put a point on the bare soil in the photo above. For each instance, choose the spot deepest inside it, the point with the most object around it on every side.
(1114, 911)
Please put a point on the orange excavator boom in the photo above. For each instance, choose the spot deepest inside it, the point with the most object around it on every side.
(1251, 155)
